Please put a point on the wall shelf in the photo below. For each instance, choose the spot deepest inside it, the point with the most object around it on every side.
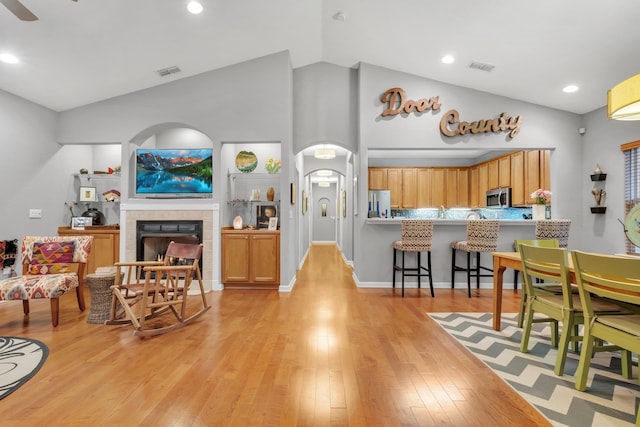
(598, 177)
(598, 209)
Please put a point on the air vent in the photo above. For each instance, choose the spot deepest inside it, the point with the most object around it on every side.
(482, 66)
(168, 70)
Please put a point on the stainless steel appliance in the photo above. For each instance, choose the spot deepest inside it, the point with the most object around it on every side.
(499, 198)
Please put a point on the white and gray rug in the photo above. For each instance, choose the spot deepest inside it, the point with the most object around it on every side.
(20, 360)
(610, 400)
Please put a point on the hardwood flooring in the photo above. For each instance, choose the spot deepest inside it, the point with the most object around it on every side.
(327, 353)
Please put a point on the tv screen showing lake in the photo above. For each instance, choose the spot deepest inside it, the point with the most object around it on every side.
(163, 182)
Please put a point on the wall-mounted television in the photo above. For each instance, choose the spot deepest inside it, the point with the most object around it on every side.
(174, 173)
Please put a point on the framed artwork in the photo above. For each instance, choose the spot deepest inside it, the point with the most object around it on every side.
(80, 222)
(355, 196)
(273, 223)
(87, 194)
(293, 193)
(344, 204)
(264, 213)
(304, 202)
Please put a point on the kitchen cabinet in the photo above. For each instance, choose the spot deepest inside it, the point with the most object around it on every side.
(493, 177)
(517, 179)
(402, 185)
(483, 184)
(463, 187)
(250, 258)
(439, 187)
(377, 178)
(423, 188)
(105, 250)
(474, 200)
(504, 171)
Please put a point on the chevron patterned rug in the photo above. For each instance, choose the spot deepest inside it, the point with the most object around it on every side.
(610, 400)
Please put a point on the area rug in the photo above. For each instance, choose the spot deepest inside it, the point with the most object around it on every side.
(610, 400)
(20, 360)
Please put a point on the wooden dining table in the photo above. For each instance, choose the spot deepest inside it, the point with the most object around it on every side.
(502, 261)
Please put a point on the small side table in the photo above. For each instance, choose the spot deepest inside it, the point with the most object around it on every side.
(100, 284)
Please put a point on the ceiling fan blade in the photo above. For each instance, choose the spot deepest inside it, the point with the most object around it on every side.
(19, 10)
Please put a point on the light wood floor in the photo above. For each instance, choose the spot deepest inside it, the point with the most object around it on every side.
(327, 353)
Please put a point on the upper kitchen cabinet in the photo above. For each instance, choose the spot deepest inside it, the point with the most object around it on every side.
(402, 184)
(424, 188)
(377, 178)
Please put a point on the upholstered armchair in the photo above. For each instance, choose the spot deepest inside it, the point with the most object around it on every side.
(51, 267)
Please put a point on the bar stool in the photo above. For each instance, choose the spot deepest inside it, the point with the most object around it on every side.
(416, 237)
(549, 229)
(482, 236)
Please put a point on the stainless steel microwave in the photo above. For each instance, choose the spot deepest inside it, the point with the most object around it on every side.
(499, 198)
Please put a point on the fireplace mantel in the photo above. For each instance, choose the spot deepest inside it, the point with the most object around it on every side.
(156, 210)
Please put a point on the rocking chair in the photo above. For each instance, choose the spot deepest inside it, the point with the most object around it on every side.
(163, 289)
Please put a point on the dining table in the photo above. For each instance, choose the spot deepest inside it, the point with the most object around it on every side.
(502, 261)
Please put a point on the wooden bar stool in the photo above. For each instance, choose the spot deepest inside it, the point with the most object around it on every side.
(416, 237)
(482, 236)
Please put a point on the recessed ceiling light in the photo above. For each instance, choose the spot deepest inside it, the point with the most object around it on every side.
(8, 58)
(570, 89)
(448, 59)
(194, 7)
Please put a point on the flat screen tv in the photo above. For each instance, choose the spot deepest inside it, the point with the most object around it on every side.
(174, 173)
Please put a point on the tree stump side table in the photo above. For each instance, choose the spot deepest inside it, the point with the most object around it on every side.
(100, 284)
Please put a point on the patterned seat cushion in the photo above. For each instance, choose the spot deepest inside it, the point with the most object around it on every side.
(35, 287)
(416, 236)
(482, 236)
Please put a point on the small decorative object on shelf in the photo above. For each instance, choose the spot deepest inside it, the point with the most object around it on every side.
(598, 175)
(271, 194)
(272, 165)
(237, 223)
(598, 195)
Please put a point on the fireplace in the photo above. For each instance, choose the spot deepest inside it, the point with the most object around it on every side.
(153, 237)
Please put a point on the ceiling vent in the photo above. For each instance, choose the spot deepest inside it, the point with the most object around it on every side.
(168, 70)
(482, 66)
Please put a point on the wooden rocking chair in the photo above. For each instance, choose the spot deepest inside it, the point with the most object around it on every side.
(163, 288)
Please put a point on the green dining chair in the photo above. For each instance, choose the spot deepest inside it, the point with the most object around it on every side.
(616, 278)
(552, 266)
(553, 287)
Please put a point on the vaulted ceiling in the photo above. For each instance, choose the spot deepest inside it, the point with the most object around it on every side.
(86, 51)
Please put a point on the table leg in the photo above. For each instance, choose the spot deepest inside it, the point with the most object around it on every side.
(498, 273)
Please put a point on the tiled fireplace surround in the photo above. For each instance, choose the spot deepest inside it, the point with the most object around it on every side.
(146, 210)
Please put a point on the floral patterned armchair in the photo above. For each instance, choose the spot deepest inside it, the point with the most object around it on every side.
(51, 267)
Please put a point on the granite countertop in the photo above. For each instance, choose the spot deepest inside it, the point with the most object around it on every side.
(398, 220)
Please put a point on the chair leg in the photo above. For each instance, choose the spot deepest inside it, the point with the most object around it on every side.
(453, 267)
(80, 295)
(469, 274)
(419, 270)
(478, 270)
(25, 306)
(515, 280)
(403, 274)
(430, 277)
(394, 269)
(523, 302)
(55, 311)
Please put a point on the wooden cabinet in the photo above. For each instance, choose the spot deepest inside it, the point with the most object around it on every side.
(463, 187)
(517, 179)
(402, 185)
(493, 177)
(423, 188)
(474, 200)
(250, 258)
(439, 187)
(377, 178)
(531, 174)
(483, 184)
(504, 171)
(105, 250)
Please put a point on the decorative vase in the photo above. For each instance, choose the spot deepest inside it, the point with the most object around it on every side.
(539, 212)
(270, 194)
(97, 217)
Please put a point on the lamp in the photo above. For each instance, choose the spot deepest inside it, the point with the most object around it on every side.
(325, 153)
(323, 184)
(623, 100)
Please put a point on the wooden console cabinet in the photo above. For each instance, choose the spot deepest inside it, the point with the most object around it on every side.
(250, 259)
(106, 245)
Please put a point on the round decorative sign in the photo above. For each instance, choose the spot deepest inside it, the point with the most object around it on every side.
(246, 161)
